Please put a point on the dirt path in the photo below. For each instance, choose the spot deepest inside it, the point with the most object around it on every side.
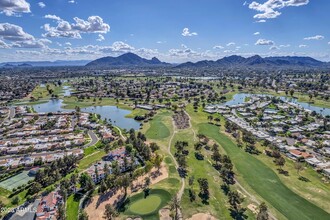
(95, 209)
(253, 198)
(180, 193)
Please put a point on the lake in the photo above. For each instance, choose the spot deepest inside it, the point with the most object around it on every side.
(114, 113)
(66, 90)
(240, 98)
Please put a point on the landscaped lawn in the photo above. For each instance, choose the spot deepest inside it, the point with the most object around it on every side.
(158, 129)
(264, 181)
(72, 207)
(147, 208)
(90, 159)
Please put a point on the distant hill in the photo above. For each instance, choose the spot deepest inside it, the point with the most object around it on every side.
(25, 65)
(45, 63)
(127, 59)
(257, 61)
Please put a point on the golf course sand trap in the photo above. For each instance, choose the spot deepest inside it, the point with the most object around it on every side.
(202, 216)
(164, 214)
(95, 209)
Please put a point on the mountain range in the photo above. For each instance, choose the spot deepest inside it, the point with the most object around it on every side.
(46, 63)
(133, 60)
(257, 61)
(127, 59)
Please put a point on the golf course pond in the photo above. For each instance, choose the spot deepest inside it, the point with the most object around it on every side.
(241, 97)
(112, 113)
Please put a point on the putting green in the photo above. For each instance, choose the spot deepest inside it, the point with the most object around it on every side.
(146, 206)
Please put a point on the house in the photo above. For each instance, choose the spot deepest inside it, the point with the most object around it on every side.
(327, 172)
(47, 208)
(34, 171)
(296, 154)
(313, 161)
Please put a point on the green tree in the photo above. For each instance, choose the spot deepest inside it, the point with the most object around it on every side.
(299, 167)
(15, 200)
(82, 215)
(263, 212)
(110, 213)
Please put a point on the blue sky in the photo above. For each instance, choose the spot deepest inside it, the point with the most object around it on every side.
(172, 30)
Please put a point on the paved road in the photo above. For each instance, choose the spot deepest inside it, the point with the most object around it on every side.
(121, 135)
(10, 115)
(94, 138)
(11, 112)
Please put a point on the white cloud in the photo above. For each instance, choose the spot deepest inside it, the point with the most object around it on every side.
(94, 24)
(183, 52)
(230, 44)
(29, 52)
(264, 42)
(229, 51)
(274, 48)
(12, 7)
(53, 17)
(148, 53)
(218, 47)
(100, 38)
(286, 45)
(261, 21)
(68, 44)
(19, 38)
(41, 4)
(302, 46)
(71, 1)
(3, 45)
(316, 37)
(256, 33)
(270, 8)
(187, 33)
(13, 32)
(329, 42)
(118, 46)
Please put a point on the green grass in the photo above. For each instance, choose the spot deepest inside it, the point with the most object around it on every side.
(72, 207)
(90, 159)
(217, 206)
(264, 181)
(158, 129)
(136, 112)
(71, 102)
(4, 195)
(147, 208)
